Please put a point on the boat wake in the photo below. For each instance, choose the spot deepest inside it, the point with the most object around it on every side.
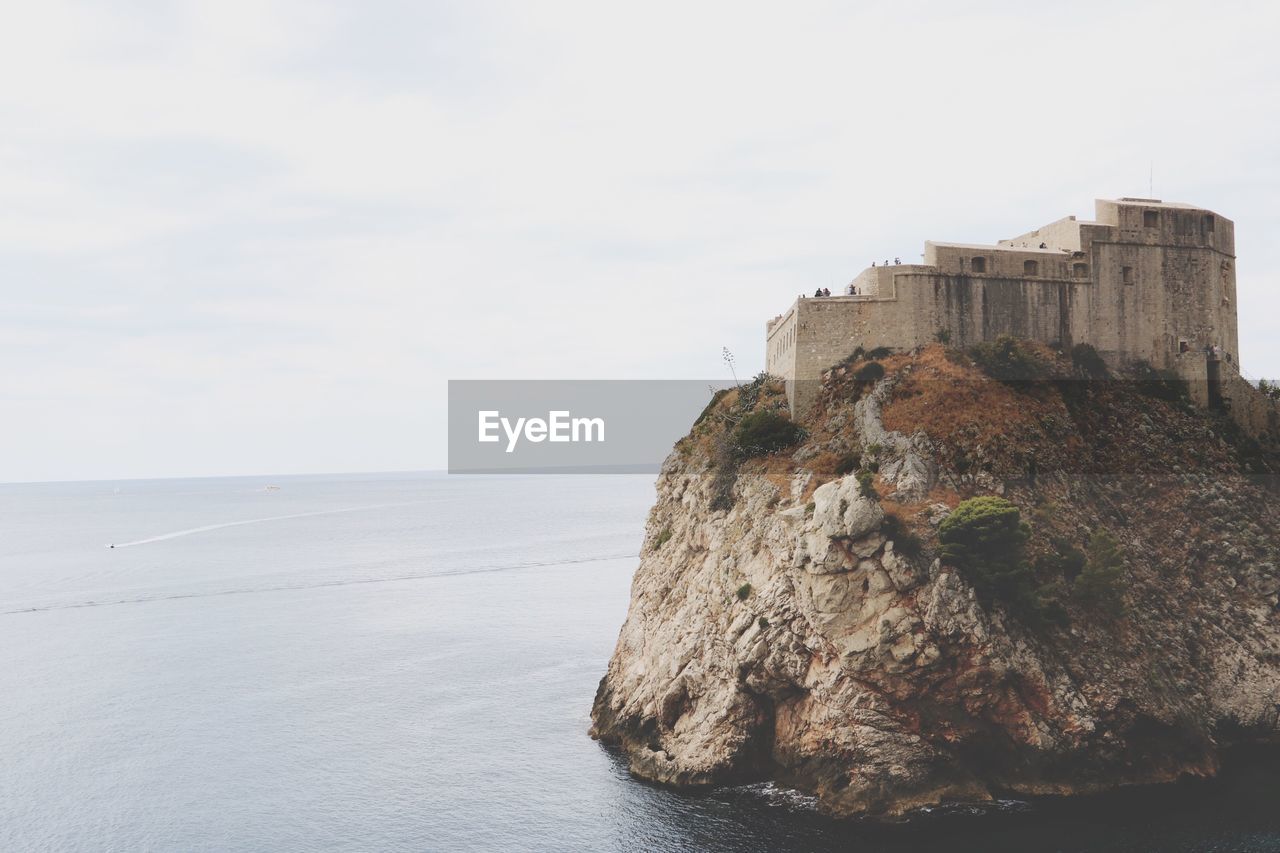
(206, 528)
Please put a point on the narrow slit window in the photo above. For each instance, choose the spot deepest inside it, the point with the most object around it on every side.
(1126, 275)
(979, 264)
(1208, 223)
(1150, 219)
(1080, 270)
(1031, 268)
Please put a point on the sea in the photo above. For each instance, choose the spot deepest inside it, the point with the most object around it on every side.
(401, 662)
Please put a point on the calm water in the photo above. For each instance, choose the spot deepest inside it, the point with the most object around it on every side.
(393, 663)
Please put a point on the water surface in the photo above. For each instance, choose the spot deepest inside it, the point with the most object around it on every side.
(394, 662)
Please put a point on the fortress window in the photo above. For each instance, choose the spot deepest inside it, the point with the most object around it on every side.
(1080, 270)
(1126, 275)
(978, 264)
(1150, 219)
(1031, 268)
(1208, 223)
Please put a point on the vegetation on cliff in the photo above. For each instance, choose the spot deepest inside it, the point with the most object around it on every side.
(765, 432)
(985, 537)
(958, 582)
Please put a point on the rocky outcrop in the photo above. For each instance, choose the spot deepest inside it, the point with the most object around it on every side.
(811, 634)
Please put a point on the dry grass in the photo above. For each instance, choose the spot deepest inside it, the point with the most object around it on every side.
(957, 404)
(908, 510)
(824, 464)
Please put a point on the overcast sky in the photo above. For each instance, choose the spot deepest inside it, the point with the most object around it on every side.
(258, 237)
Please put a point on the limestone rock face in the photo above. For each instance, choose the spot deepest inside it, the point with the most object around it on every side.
(790, 637)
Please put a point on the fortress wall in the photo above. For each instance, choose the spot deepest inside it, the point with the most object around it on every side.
(1189, 300)
(827, 330)
(1256, 413)
(1193, 370)
(1167, 225)
(1124, 318)
(974, 309)
(877, 281)
(1185, 264)
(1063, 234)
(1004, 262)
(1169, 294)
(971, 308)
(780, 345)
(830, 329)
(1137, 284)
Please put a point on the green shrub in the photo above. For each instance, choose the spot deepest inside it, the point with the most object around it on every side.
(1087, 362)
(866, 485)
(985, 538)
(1064, 561)
(847, 464)
(904, 541)
(872, 371)
(985, 535)
(763, 623)
(1008, 359)
(765, 432)
(1048, 604)
(943, 336)
(662, 538)
(744, 591)
(750, 393)
(1098, 587)
(879, 352)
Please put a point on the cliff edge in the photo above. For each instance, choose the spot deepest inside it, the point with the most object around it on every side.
(971, 575)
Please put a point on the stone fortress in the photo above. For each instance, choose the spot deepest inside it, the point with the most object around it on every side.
(1147, 280)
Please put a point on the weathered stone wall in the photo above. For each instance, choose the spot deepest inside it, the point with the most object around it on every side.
(1063, 235)
(1161, 289)
(1257, 414)
(780, 348)
(969, 309)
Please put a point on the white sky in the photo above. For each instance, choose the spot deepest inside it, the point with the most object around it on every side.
(258, 237)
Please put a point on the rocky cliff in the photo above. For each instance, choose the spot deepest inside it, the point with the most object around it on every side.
(798, 616)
